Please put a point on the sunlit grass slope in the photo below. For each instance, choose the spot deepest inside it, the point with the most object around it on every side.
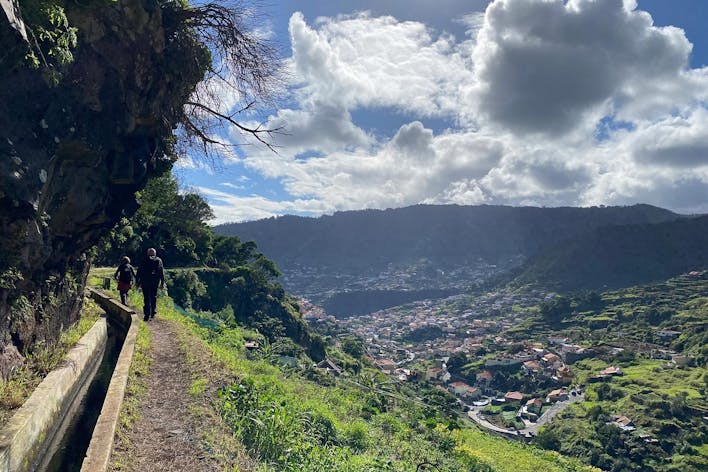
(292, 417)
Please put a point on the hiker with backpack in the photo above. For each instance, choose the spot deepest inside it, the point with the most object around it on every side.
(125, 275)
(151, 276)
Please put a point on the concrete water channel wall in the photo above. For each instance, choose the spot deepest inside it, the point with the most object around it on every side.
(31, 436)
(101, 445)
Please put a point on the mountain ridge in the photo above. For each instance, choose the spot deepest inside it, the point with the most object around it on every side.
(620, 256)
(369, 242)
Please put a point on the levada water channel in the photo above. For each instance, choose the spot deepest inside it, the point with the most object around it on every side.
(72, 439)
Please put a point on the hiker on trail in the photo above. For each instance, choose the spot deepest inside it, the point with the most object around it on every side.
(151, 275)
(125, 274)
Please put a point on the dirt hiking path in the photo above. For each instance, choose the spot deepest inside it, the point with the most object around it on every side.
(166, 436)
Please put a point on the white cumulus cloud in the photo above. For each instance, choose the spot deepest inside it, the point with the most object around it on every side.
(548, 102)
(549, 66)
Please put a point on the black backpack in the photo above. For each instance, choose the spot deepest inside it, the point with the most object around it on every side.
(125, 273)
(152, 269)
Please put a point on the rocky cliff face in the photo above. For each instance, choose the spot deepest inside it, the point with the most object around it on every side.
(73, 155)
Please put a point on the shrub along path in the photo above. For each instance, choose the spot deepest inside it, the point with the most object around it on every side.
(176, 420)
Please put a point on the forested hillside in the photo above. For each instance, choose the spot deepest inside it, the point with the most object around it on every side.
(447, 235)
(620, 256)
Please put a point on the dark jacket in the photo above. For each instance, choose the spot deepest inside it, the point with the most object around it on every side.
(151, 273)
(125, 273)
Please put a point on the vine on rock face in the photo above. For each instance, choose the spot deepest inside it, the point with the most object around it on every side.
(51, 37)
(240, 61)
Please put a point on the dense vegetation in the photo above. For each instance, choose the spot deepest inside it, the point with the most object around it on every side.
(657, 335)
(248, 296)
(621, 256)
(235, 281)
(361, 302)
(368, 241)
(176, 225)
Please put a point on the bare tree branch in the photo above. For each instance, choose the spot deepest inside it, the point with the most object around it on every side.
(258, 132)
(243, 63)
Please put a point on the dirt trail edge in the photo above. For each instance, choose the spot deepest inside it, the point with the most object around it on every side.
(166, 436)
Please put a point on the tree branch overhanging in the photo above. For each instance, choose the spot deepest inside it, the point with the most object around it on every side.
(243, 63)
(257, 132)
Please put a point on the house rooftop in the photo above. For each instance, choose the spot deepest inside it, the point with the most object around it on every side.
(518, 396)
(611, 370)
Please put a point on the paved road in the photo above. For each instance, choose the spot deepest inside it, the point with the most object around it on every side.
(531, 428)
(474, 415)
(551, 413)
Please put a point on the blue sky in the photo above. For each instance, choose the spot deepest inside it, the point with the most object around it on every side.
(518, 102)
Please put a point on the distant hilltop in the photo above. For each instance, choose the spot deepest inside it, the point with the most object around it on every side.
(444, 234)
(621, 256)
(444, 237)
